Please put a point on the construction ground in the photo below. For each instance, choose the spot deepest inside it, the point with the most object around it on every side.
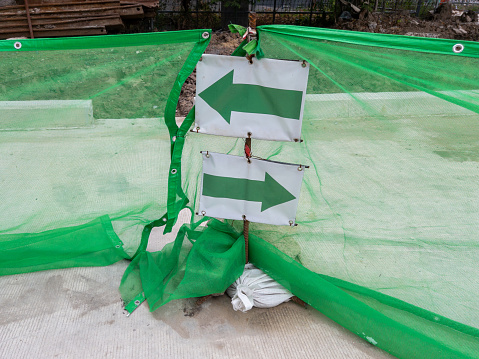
(78, 313)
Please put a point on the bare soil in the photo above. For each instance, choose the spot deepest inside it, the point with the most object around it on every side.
(445, 24)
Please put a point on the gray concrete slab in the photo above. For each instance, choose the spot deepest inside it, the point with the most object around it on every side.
(77, 313)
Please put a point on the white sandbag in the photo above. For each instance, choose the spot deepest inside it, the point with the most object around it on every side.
(256, 289)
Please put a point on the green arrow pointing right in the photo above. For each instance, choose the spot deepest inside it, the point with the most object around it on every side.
(225, 97)
(269, 192)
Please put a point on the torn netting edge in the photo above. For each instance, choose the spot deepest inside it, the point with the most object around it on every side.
(177, 137)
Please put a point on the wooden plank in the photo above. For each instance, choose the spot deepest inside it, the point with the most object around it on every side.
(95, 30)
(124, 11)
(145, 3)
(52, 17)
(56, 7)
(110, 22)
(77, 6)
(148, 4)
(70, 18)
(131, 11)
(45, 19)
(41, 2)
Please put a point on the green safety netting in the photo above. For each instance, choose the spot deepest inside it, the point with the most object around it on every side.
(387, 242)
(201, 261)
(84, 149)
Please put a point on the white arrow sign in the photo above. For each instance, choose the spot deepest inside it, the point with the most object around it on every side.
(262, 191)
(236, 98)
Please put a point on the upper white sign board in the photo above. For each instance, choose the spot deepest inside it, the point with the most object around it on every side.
(264, 99)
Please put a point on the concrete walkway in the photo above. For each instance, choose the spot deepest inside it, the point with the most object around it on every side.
(77, 313)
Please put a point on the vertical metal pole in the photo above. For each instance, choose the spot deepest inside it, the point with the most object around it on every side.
(418, 8)
(247, 151)
(197, 15)
(274, 11)
(311, 13)
(246, 239)
(247, 143)
(30, 28)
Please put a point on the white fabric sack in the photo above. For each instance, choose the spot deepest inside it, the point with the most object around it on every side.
(256, 289)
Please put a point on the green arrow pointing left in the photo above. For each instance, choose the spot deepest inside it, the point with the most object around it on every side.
(269, 192)
(225, 97)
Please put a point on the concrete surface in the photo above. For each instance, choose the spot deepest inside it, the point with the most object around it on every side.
(77, 313)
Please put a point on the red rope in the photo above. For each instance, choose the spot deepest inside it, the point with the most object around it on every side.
(247, 151)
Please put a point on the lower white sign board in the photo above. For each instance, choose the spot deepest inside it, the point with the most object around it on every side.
(263, 191)
(236, 98)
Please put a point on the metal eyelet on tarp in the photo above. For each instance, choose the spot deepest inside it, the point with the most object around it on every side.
(17, 45)
(205, 35)
(458, 48)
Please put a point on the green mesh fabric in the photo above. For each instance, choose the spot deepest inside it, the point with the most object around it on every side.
(90, 244)
(201, 261)
(84, 149)
(387, 242)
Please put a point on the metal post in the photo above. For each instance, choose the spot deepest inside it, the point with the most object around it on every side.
(274, 11)
(197, 15)
(247, 152)
(246, 239)
(311, 13)
(418, 8)
(30, 28)
(247, 143)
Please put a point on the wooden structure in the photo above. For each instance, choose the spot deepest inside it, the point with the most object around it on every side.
(52, 18)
